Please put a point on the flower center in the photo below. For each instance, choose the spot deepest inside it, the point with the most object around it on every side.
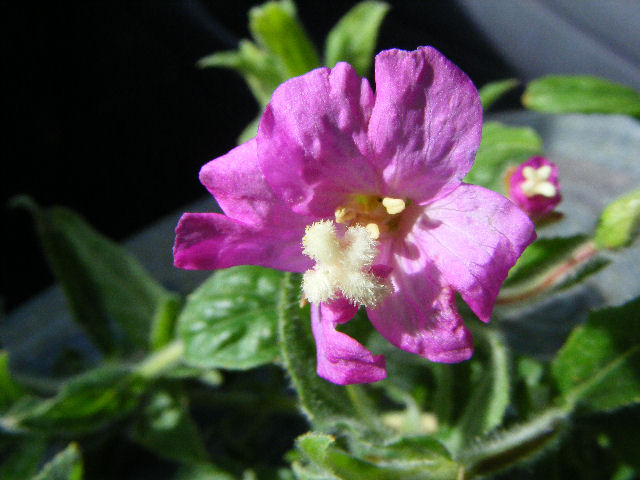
(377, 214)
(537, 182)
(343, 265)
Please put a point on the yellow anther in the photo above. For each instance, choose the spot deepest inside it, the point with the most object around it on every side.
(377, 215)
(374, 230)
(344, 215)
(393, 205)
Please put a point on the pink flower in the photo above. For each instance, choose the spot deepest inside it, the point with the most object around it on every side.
(363, 192)
(534, 186)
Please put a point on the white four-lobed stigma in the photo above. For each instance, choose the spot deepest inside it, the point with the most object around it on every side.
(343, 265)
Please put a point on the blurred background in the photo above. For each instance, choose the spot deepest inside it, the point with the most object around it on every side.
(107, 113)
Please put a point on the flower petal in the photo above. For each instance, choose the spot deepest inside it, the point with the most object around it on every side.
(420, 316)
(237, 183)
(341, 359)
(312, 140)
(473, 236)
(426, 123)
(208, 241)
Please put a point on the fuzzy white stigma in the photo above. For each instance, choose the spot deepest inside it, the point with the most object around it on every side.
(343, 265)
(537, 182)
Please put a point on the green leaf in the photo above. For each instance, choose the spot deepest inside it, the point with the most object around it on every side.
(599, 365)
(258, 67)
(491, 92)
(533, 392)
(202, 472)
(23, 458)
(620, 222)
(66, 465)
(415, 447)
(323, 403)
(9, 390)
(490, 397)
(353, 38)
(625, 472)
(86, 403)
(580, 94)
(109, 293)
(315, 445)
(322, 459)
(520, 443)
(231, 320)
(551, 264)
(166, 428)
(501, 147)
(276, 27)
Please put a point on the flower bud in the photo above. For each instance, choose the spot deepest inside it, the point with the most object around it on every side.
(534, 186)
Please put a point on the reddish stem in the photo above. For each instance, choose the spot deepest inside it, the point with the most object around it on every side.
(554, 276)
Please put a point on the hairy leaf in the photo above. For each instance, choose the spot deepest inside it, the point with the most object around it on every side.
(66, 465)
(599, 365)
(9, 390)
(620, 222)
(580, 94)
(86, 403)
(276, 27)
(258, 67)
(166, 428)
(353, 38)
(109, 293)
(231, 320)
(491, 92)
(501, 147)
(322, 459)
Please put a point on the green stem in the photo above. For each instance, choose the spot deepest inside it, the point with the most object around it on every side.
(508, 447)
(322, 402)
(162, 360)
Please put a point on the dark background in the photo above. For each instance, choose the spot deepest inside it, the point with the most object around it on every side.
(108, 115)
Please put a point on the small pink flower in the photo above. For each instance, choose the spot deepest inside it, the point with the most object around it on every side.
(363, 192)
(534, 186)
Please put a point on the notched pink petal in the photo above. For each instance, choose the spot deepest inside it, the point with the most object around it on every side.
(420, 316)
(312, 140)
(209, 241)
(239, 187)
(426, 123)
(473, 236)
(341, 359)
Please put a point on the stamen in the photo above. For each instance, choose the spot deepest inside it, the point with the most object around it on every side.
(393, 205)
(374, 230)
(344, 215)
